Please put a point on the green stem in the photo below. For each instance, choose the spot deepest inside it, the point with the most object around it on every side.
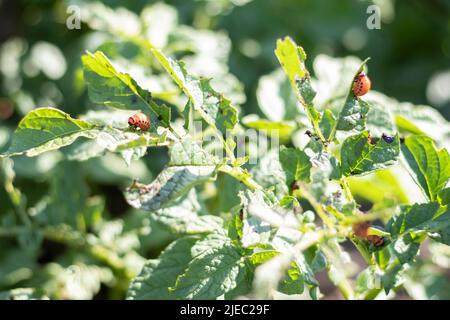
(371, 294)
(346, 289)
(362, 250)
(346, 188)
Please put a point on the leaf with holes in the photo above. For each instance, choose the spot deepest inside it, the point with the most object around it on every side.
(359, 156)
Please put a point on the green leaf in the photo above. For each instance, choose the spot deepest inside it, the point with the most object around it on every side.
(379, 119)
(430, 167)
(185, 217)
(260, 257)
(169, 185)
(358, 156)
(108, 86)
(421, 120)
(296, 165)
(269, 173)
(354, 112)
(157, 276)
(408, 229)
(293, 283)
(131, 145)
(188, 152)
(218, 271)
(213, 107)
(426, 282)
(292, 59)
(327, 123)
(189, 166)
(398, 257)
(444, 196)
(428, 217)
(16, 266)
(46, 129)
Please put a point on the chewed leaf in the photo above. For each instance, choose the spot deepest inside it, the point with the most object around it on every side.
(213, 107)
(190, 153)
(429, 166)
(296, 165)
(360, 156)
(47, 129)
(354, 112)
(427, 217)
(108, 86)
(169, 185)
(292, 59)
(189, 166)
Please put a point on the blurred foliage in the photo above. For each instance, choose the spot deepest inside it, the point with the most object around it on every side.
(90, 242)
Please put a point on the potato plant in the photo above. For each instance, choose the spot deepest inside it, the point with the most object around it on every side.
(350, 173)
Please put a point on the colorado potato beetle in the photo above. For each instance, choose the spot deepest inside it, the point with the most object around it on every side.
(139, 120)
(361, 84)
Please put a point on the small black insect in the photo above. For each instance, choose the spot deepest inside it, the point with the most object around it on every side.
(402, 139)
(295, 185)
(388, 139)
(309, 133)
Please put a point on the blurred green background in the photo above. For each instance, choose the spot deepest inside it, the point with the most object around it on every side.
(40, 66)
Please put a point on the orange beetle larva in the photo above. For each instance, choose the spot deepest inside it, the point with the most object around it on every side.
(361, 84)
(139, 120)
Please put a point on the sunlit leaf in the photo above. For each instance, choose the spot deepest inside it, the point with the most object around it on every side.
(429, 166)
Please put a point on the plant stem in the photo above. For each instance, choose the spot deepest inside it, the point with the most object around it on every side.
(346, 188)
(371, 294)
(318, 208)
(362, 250)
(239, 174)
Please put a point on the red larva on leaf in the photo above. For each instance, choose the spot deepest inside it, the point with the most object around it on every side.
(361, 84)
(139, 120)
